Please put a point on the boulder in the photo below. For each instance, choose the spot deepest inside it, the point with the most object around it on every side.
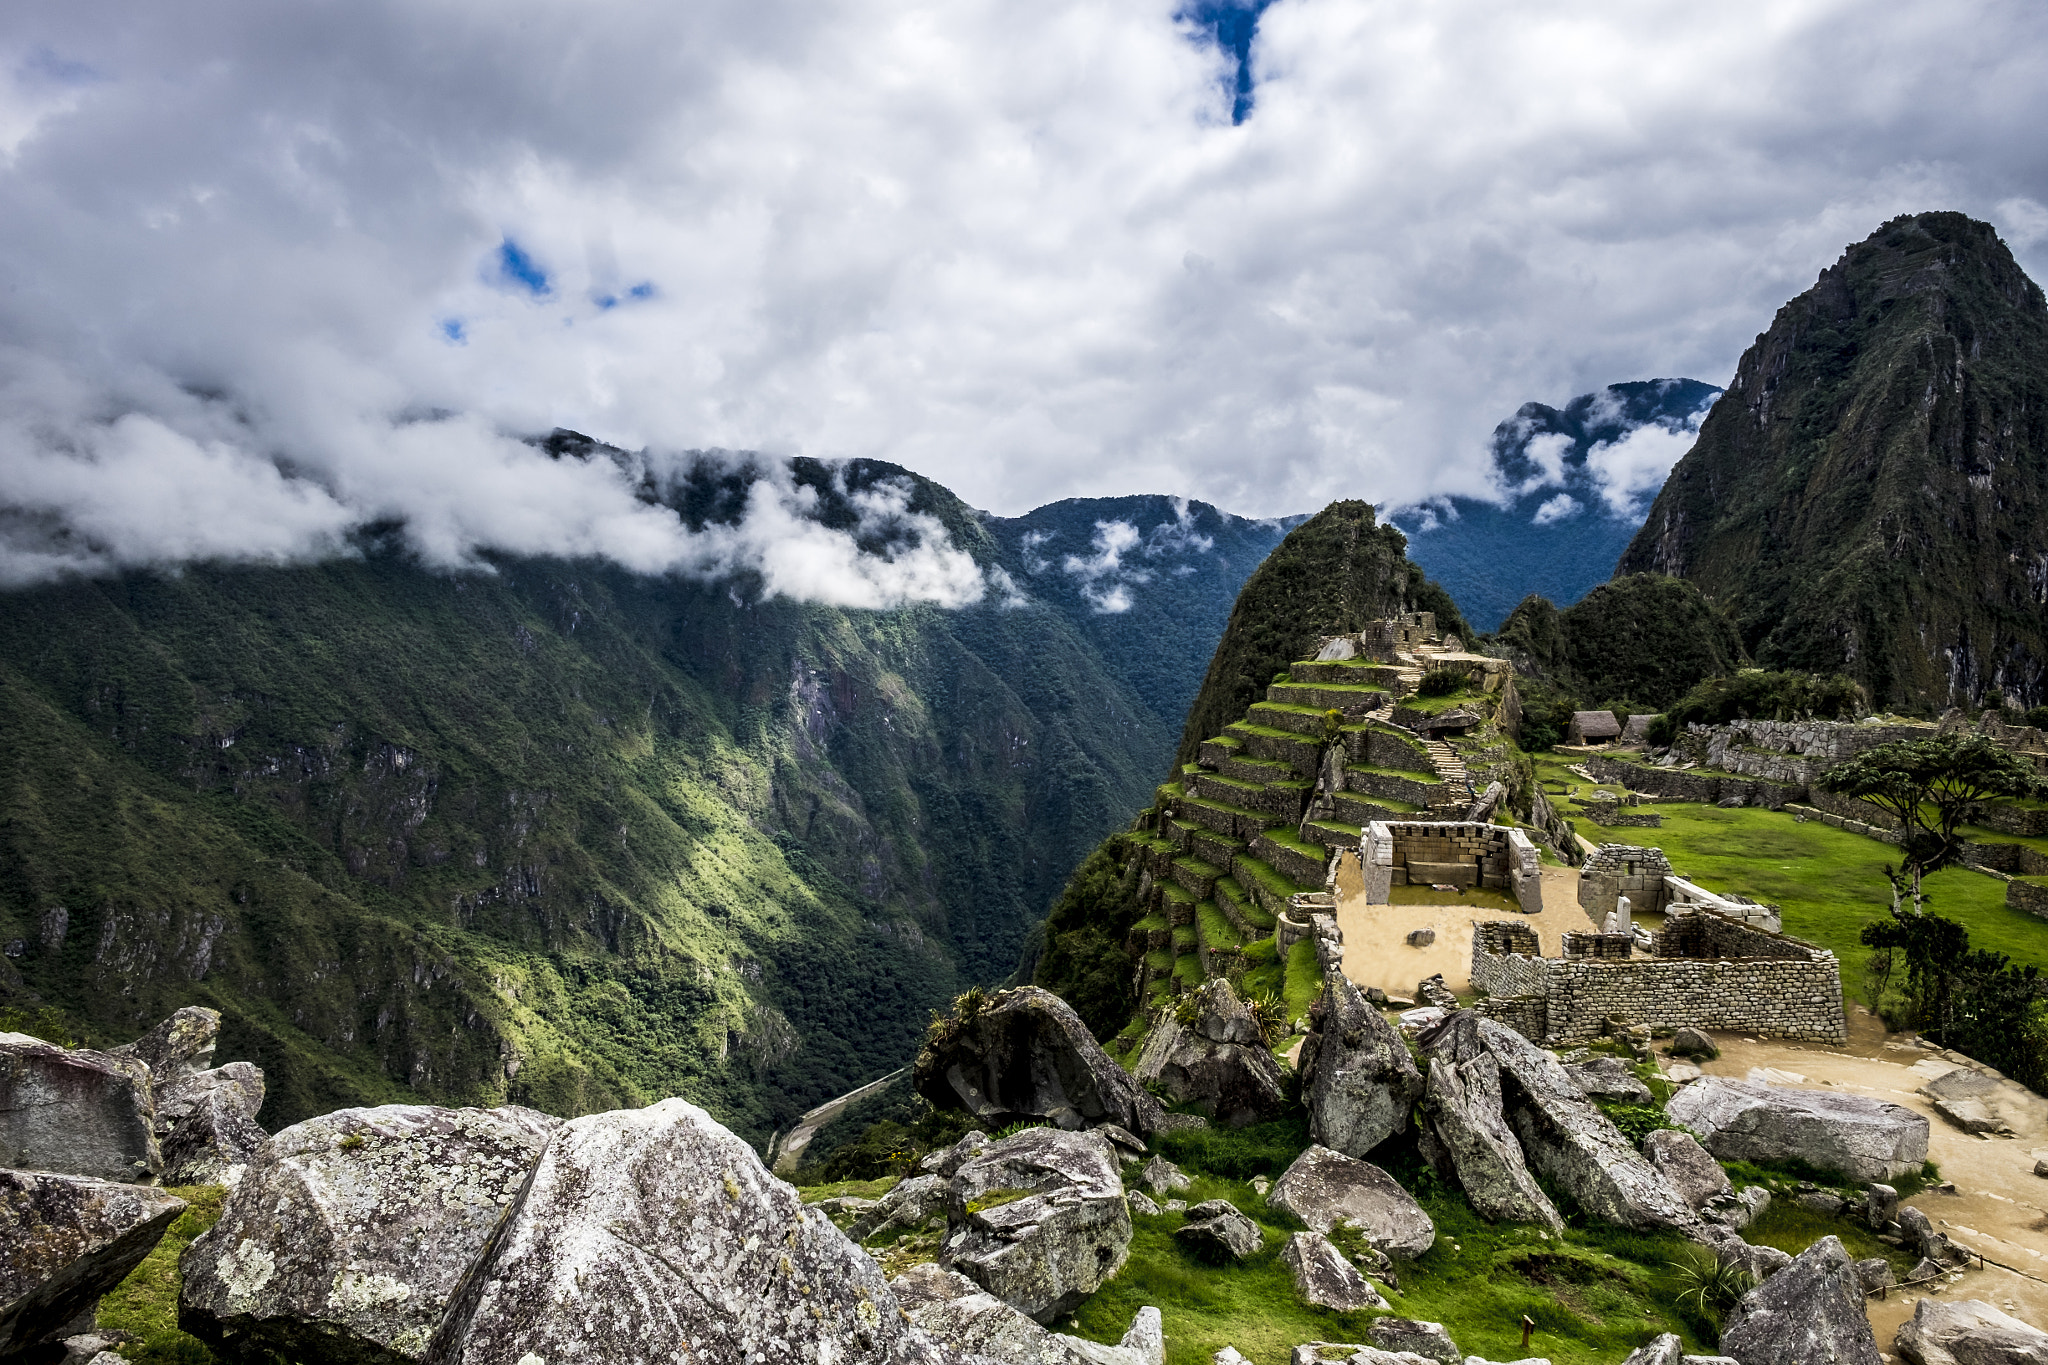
(181, 1045)
(1968, 1332)
(1864, 1139)
(1421, 938)
(944, 1162)
(1163, 1177)
(1357, 1077)
(1608, 1078)
(347, 1234)
(1875, 1273)
(1738, 1210)
(1027, 1055)
(1217, 1230)
(655, 1234)
(1141, 1203)
(1963, 1083)
(1664, 1350)
(1690, 1042)
(1826, 1203)
(1918, 1235)
(1809, 1313)
(1472, 1143)
(1563, 1136)
(908, 1204)
(1880, 1207)
(962, 1317)
(1219, 1063)
(1352, 1353)
(1426, 1339)
(1759, 1261)
(206, 1124)
(1326, 1189)
(75, 1112)
(1687, 1167)
(65, 1240)
(1038, 1220)
(1323, 1277)
(1972, 1116)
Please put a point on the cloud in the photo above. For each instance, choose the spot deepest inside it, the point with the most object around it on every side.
(1631, 469)
(1555, 509)
(1104, 578)
(314, 264)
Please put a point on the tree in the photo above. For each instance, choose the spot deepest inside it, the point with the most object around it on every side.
(1929, 786)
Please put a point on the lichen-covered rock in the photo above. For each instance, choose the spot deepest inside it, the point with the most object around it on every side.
(1358, 1079)
(1608, 1078)
(655, 1234)
(1038, 1220)
(1219, 1063)
(1352, 1353)
(1027, 1055)
(908, 1204)
(1426, 1339)
(1326, 1189)
(1968, 1332)
(1563, 1135)
(1862, 1138)
(1809, 1313)
(206, 1124)
(1471, 1143)
(348, 1233)
(947, 1160)
(75, 1112)
(1759, 1262)
(179, 1046)
(1163, 1177)
(1689, 1168)
(1325, 1278)
(962, 1317)
(1217, 1230)
(1663, 1350)
(65, 1240)
(1875, 1273)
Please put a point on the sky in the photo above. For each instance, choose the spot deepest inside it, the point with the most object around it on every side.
(275, 271)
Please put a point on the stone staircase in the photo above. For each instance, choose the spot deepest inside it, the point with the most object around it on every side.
(1450, 768)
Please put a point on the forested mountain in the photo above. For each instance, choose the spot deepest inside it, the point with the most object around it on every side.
(1871, 495)
(557, 833)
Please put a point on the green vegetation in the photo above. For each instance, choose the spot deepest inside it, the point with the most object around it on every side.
(1929, 786)
(1442, 682)
(1304, 979)
(146, 1303)
(1755, 694)
(1643, 636)
(1084, 962)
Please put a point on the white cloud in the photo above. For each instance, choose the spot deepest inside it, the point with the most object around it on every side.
(1030, 259)
(1631, 469)
(1104, 578)
(1555, 509)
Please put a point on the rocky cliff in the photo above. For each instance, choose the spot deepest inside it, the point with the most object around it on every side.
(1869, 495)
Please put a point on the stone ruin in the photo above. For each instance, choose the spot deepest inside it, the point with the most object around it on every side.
(1449, 853)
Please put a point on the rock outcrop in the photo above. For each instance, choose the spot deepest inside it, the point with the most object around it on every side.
(1809, 1313)
(1469, 1141)
(1357, 1077)
(1038, 1220)
(1968, 1332)
(1219, 1063)
(908, 1204)
(1027, 1055)
(1562, 1135)
(1426, 1339)
(1688, 1167)
(65, 1240)
(1217, 1230)
(348, 1234)
(1864, 1139)
(75, 1111)
(962, 1317)
(1352, 1353)
(205, 1117)
(1608, 1078)
(655, 1234)
(1325, 1278)
(1327, 1189)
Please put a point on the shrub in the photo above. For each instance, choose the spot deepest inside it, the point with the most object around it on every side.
(1754, 694)
(1442, 682)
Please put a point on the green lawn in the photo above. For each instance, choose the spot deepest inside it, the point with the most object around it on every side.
(1304, 978)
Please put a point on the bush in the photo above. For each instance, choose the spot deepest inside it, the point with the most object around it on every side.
(1754, 694)
(1442, 682)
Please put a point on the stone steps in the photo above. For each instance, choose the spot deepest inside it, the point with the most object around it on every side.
(1194, 876)
(1299, 753)
(1450, 768)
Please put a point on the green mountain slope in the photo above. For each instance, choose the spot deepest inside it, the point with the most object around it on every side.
(1871, 495)
(553, 833)
(1645, 637)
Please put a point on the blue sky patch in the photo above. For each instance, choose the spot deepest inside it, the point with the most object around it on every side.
(642, 290)
(516, 267)
(453, 331)
(1230, 24)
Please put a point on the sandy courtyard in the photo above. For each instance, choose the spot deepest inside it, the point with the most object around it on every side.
(1376, 951)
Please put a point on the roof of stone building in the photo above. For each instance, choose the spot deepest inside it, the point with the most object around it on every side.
(1596, 724)
(1637, 730)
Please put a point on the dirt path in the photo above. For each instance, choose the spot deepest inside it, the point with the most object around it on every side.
(790, 1154)
(1376, 951)
(1998, 1207)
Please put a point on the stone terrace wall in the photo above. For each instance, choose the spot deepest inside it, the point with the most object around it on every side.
(2031, 897)
(1630, 870)
(1454, 852)
(1688, 932)
(1679, 784)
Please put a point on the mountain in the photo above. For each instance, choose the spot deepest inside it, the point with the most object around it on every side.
(1570, 486)
(1871, 496)
(557, 833)
(1636, 642)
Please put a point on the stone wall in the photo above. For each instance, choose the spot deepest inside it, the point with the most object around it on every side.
(1615, 870)
(1449, 852)
(1682, 784)
(2030, 896)
(1528, 1015)
(1599, 947)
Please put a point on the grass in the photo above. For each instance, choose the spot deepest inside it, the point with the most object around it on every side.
(1304, 979)
(857, 1189)
(146, 1303)
(1216, 931)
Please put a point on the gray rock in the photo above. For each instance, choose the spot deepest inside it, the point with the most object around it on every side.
(348, 1233)
(1421, 938)
(1665, 1350)
(1426, 1339)
(1761, 1262)
(844, 1206)
(1963, 1083)
(1228, 1356)
(907, 1204)
(1708, 1360)
(1220, 1063)
(1028, 1055)
(1609, 1078)
(1920, 1238)
(1043, 1252)
(1874, 1274)
(1690, 1042)
(1823, 1202)
(1738, 1210)
(206, 1124)
(1563, 1136)
(1352, 1353)
(944, 1162)
(1809, 1313)
(1925, 1269)
(962, 1317)
(1972, 1116)
(1161, 1176)
(1968, 1332)
(1216, 1229)
(181, 1045)
(1142, 1204)
(655, 1234)
(1461, 1109)
(1433, 991)
(1327, 1189)
(1864, 1139)
(65, 1240)
(1880, 1206)
(1681, 1160)
(1323, 1277)
(1358, 1079)
(1128, 1144)
(75, 1112)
